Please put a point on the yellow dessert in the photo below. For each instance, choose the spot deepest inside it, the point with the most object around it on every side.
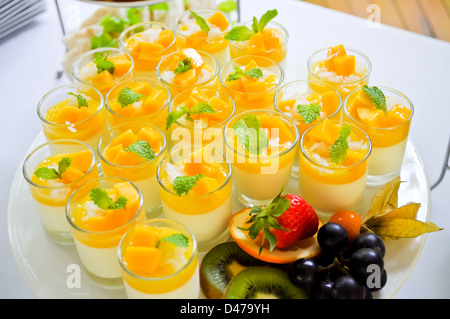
(252, 82)
(159, 260)
(343, 68)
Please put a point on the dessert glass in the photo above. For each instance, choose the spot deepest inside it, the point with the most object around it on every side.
(190, 35)
(85, 70)
(252, 93)
(98, 231)
(116, 160)
(155, 268)
(388, 131)
(259, 176)
(208, 202)
(327, 186)
(52, 195)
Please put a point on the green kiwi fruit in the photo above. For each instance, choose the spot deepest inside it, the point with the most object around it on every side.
(263, 283)
(220, 265)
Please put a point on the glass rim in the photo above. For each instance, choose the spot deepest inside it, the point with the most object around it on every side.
(58, 141)
(125, 32)
(383, 88)
(193, 147)
(111, 130)
(146, 222)
(103, 49)
(364, 134)
(292, 83)
(133, 79)
(62, 87)
(274, 63)
(209, 89)
(162, 80)
(257, 111)
(186, 13)
(277, 24)
(363, 55)
(105, 232)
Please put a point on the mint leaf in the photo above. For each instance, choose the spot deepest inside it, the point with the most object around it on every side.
(266, 18)
(63, 164)
(183, 66)
(200, 21)
(198, 108)
(133, 16)
(178, 240)
(309, 112)
(175, 115)
(183, 184)
(46, 173)
(103, 201)
(255, 73)
(377, 96)
(255, 25)
(228, 6)
(202, 107)
(80, 99)
(103, 64)
(127, 96)
(112, 24)
(239, 33)
(338, 150)
(250, 134)
(103, 41)
(142, 148)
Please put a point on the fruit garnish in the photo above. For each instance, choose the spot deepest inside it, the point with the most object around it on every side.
(82, 102)
(198, 108)
(350, 220)
(101, 198)
(103, 64)
(127, 96)
(377, 96)
(386, 219)
(243, 33)
(183, 184)
(183, 66)
(250, 134)
(51, 173)
(178, 240)
(338, 150)
(255, 73)
(309, 112)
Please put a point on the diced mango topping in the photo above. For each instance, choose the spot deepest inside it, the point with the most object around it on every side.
(150, 41)
(69, 111)
(219, 20)
(249, 84)
(268, 39)
(338, 61)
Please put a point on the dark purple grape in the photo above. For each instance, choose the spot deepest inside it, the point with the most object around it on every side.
(347, 287)
(369, 240)
(365, 262)
(332, 238)
(324, 290)
(305, 273)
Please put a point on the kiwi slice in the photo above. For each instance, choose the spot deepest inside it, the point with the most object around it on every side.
(263, 283)
(220, 265)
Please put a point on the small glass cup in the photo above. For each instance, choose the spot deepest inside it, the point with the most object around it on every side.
(252, 94)
(277, 40)
(142, 173)
(163, 282)
(62, 118)
(344, 85)
(259, 177)
(204, 75)
(152, 108)
(205, 128)
(51, 196)
(388, 142)
(210, 200)
(306, 92)
(148, 43)
(85, 71)
(97, 232)
(330, 187)
(189, 34)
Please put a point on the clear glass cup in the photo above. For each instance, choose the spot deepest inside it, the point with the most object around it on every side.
(344, 85)
(199, 75)
(205, 128)
(97, 232)
(51, 196)
(389, 141)
(163, 282)
(189, 34)
(151, 108)
(62, 118)
(85, 71)
(148, 43)
(209, 202)
(306, 92)
(258, 177)
(277, 44)
(117, 161)
(251, 94)
(330, 187)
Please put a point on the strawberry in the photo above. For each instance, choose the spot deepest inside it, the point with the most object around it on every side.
(286, 220)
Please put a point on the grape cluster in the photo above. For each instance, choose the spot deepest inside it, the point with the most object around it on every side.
(343, 270)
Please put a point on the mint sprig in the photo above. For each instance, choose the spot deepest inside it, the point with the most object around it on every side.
(142, 148)
(377, 96)
(184, 184)
(338, 150)
(178, 240)
(200, 21)
(127, 97)
(101, 198)
(51, 173)
(255, 73)
(250, 134)
(82, 102)
(183, 66)
(243, 33)
(198, 108)
(309, 112)
(103, 64)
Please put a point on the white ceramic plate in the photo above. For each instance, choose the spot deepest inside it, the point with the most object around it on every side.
(46, 265)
